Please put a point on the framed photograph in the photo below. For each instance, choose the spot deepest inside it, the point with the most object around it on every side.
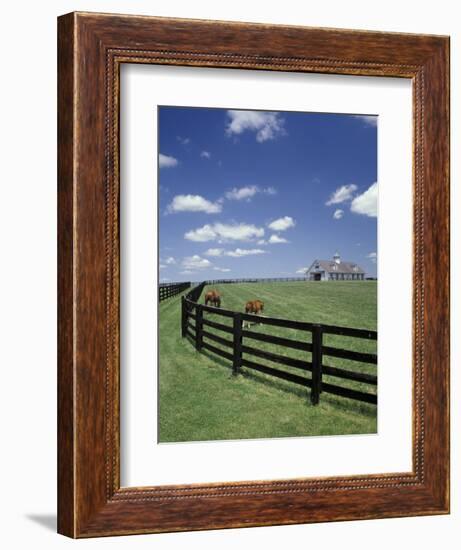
(253, 275)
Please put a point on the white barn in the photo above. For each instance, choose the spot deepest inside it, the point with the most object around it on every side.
(335, 270)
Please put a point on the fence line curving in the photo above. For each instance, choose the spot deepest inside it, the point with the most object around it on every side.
(168, 290)
(242, 350)
(256, 280)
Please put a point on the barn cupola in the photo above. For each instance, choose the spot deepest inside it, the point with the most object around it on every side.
(337, 258)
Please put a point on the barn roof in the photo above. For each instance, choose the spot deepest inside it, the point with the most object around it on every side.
(342, 267)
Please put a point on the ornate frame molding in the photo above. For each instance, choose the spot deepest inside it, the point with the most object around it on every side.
(91, 49)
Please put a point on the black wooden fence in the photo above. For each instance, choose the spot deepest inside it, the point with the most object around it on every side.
(241, 353)
(171, 289)
(194, 295)
(256, 280)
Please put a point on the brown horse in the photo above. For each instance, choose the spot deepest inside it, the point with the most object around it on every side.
(255, 307)
(213, 298)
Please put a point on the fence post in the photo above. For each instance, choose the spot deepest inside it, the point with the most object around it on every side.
(198, 327)
(317, 337)
(183, 317)
(237, 347)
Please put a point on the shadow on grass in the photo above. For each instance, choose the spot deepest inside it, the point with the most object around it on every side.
(255, 376)
(304, 393)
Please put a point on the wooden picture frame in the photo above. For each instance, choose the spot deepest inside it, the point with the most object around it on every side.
(91, 49)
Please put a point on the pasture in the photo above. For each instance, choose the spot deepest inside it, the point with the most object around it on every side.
(201, 400)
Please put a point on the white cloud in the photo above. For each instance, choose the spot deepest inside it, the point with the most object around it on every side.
(193, 203)
(369, 120)
(302, 270)
(338, 214)
(373, 257)
(267, 125)
(242, 193)
(248, 192)
(205, 155)
(224, 232)
(163, 264)
(164, 279)
(186, 272)
(222, 269)
(367, 202)
(214, 252)
(201, 234)
(239, 252)
(275, 239)
(183, 140)
(342, 194)
(164, 161)
(195, 262)
(282, 224)
(261, 241)
(238, 232)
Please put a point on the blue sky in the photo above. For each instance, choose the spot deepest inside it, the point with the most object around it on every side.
(264, 194)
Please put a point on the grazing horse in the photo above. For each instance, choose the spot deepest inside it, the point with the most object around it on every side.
(254, 306)
(213, 298)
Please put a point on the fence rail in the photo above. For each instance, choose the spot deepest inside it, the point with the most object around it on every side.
(256, 280)
(172, 289)
(267, 280)
(242, 350)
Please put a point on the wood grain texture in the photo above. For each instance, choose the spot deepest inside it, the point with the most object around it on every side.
(91, 49)
(66, 487)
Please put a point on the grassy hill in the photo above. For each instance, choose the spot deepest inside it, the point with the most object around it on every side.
(201, 400)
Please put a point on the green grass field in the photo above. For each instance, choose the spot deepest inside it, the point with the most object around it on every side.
(199, 399)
